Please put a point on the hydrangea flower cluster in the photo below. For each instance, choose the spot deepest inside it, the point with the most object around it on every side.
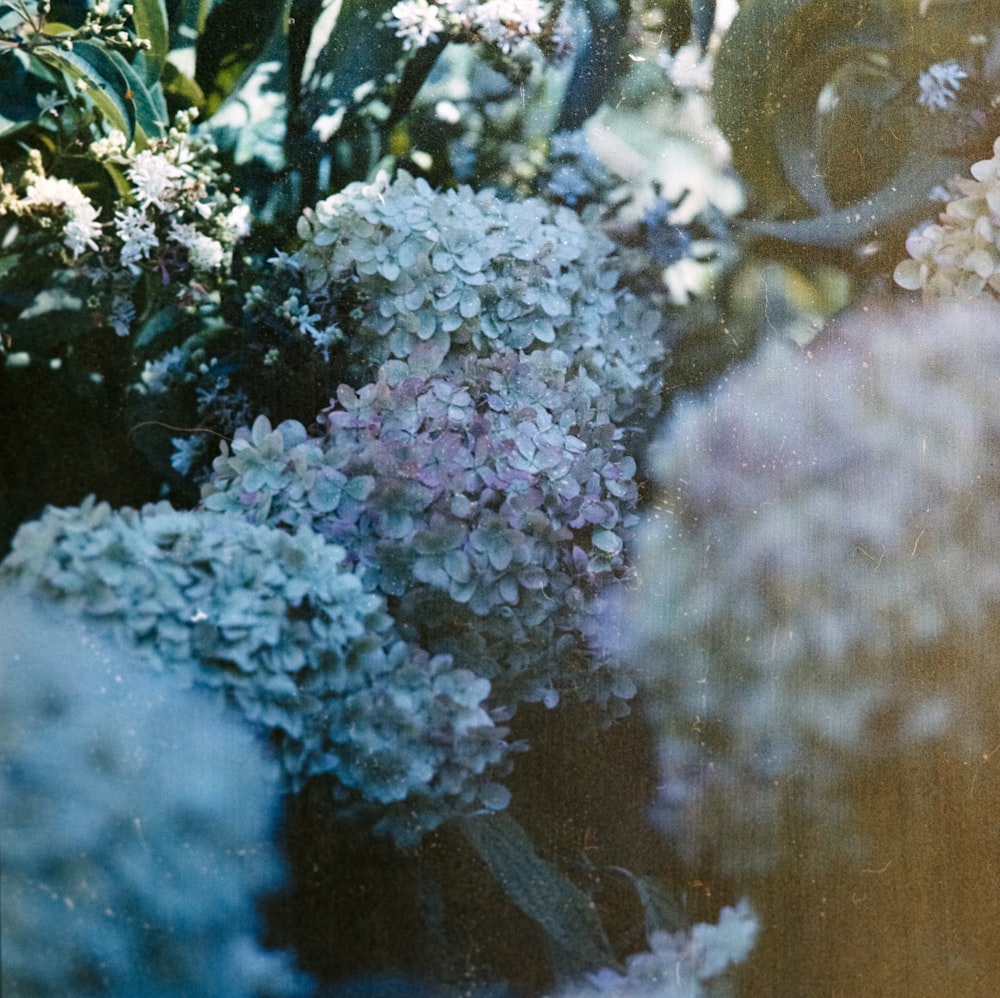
(489, 505)
(678, 965)
(421, 276)
(177, 222)
(137, 828)
(815, 571)
(286, 633)
(959, 255)
(512, 26)
(575, 176)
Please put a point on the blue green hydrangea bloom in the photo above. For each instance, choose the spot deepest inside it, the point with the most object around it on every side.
(407, 273)
(137, 828)
(287, 634)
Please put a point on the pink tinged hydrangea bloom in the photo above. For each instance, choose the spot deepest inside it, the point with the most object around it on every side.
(959, 257)
(987, 172)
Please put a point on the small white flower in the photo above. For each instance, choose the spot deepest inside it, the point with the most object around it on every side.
(448, 112)
(507, 23)
(939, 85)
(238, 221)
(138, 236)
(155, 180)
(112, 147)
(50, 103)
(417, 22)
(82, 228)
(204, 253)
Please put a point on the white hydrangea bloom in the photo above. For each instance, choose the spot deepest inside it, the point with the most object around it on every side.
(959, 256)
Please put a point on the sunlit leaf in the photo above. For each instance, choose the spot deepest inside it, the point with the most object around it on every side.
(150, 20)
(90, 64)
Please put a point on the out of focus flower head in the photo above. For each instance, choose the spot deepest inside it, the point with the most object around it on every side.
(815, 571)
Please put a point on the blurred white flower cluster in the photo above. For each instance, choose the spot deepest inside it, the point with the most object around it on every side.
(940, 84)
(959, 255)
(177, 221)
(510, 25)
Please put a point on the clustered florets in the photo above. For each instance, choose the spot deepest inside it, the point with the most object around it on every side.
(678, 965)
(509, 25)
(959, 255)
(290, 637)
(823, 547)
(424, 277)
(489, 504)
(176, 221)
(137, 827)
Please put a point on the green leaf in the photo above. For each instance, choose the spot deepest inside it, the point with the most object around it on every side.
(234, 37)
(150, 20)
(902, 198)
(564, 912)
(774, 62)
(18, 106)
(90, 63)
(156, 324)
(150, 106)
(661, 912)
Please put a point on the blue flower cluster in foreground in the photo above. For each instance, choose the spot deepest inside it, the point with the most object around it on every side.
(816, 570)
(137, 825)
(289, 636)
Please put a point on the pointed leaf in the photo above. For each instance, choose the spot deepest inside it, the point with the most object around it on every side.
(150, 105)
(150, 20)
(90, 63)
(902, 198)
(565, 913)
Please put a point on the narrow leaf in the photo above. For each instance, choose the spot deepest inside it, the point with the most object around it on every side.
(564, 912)
(106, 85)
(903, 198)
(150, 20)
